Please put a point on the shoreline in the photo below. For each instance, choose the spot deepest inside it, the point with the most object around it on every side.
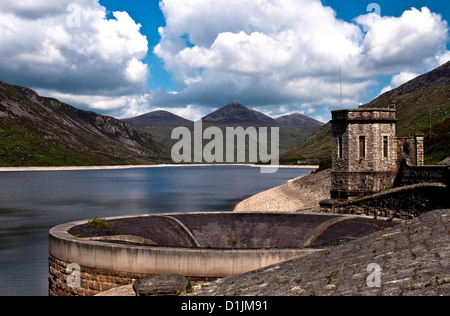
(301, 194)
(124, 167)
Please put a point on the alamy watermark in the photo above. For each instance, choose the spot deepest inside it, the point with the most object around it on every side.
(74, 278)
(73, 19)
(374, 8)
(229, 148)
(374, 279)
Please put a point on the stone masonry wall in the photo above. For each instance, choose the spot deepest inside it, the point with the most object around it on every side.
(411, 148)
(356, 173)
(360, 183)
(92, 281)
(409, 175)
(403, 203)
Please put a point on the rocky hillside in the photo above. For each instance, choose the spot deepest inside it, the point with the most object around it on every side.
(38, 131)
(417, 100)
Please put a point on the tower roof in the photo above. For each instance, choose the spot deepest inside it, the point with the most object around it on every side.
(365, 115)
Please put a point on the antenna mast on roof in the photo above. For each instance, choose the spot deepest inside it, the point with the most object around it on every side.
(340, 83)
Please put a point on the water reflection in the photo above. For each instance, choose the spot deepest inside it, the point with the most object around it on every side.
(31, 203)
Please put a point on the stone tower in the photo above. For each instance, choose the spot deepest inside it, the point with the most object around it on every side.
(364, 152)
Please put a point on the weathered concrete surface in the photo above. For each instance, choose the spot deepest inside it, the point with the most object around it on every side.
(123, 291)
(107, 264)
(414, 259)
(169, 285)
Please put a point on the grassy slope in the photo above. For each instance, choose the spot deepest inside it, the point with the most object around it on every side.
(24, 146)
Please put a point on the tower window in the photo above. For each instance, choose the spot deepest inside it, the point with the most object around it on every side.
(385, 147)
(362, 146)
(340, 150)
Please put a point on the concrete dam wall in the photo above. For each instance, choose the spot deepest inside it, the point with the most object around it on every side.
(84, 261)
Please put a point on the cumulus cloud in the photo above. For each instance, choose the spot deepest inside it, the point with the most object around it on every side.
(399, 79)
(410, 41)
(282, 54)
(273, 52)
(69, 48)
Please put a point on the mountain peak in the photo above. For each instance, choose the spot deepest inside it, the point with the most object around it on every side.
(235, 113)
(236, 104)
(157, 118)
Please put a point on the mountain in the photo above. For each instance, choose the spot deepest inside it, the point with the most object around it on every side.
(39, 131)
(160, 125)
(157, 118)
(297, 119)
(293, 128)
(236, 114)
(415, 101)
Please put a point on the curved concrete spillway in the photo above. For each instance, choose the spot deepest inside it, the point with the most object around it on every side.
(197, 245)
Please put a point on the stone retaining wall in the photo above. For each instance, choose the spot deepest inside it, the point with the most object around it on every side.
(409, 175)
(92, 281)
(404, 203)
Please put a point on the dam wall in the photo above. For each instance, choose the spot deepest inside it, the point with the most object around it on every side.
(99, 266)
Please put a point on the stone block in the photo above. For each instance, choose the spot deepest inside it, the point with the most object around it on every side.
(170, 285)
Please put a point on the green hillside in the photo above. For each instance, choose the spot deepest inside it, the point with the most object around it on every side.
(38, 131)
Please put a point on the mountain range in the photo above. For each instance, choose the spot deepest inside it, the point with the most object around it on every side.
(38, 131)
(232, 114)
(293, 128)
(419, 102)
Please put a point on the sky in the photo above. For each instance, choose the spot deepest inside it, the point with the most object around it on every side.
(191, 57)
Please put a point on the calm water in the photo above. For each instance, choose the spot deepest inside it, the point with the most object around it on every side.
(31, 203)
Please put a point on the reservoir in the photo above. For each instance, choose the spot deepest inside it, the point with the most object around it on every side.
(31, 203)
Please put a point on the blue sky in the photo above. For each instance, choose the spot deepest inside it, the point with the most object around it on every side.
(125, 58)
(148, 14)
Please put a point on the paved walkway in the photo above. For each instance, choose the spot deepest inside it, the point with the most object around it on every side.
(410, 259)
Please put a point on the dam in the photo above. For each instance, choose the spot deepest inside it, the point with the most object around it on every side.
(86, 261)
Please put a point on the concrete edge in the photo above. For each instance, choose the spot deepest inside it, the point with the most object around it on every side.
(193, 262)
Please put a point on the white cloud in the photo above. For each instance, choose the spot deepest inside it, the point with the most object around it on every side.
(189, 112)
(443, 58)
(261, 52)
(69, 48)
(399, 79)
(410, 41)
(272, 52)
(321, 118)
